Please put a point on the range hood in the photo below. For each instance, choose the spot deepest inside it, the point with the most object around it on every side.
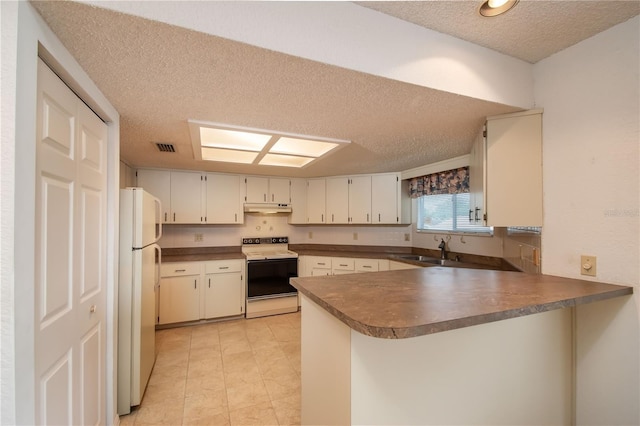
(267, 208)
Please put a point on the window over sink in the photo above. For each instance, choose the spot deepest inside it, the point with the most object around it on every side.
(448, 213)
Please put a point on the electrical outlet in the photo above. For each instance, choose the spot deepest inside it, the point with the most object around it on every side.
(407, 237)
(197, 238)
(588, 265)
(355, 235)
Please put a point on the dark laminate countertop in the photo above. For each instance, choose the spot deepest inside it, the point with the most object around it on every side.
(416, 302)
(195, 254)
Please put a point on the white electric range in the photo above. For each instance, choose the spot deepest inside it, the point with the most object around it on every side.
(270, 266)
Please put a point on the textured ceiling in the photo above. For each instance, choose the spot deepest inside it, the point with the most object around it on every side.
(159, 76)
(531, 31)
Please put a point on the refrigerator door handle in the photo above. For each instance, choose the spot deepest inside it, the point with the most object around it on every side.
(158, 218)
(159, 251)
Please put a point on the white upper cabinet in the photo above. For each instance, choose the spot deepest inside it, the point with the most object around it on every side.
(477, 181)
(224, 195)
(268, 190)
(158, 184)
(338, 200)
(298, 202)
(186, 197)
(360, 199)
(386, 199)
(349, 200)
(316, 200)
(514, 169)
(279, 190)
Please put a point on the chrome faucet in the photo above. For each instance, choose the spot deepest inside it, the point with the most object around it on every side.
(443, 249)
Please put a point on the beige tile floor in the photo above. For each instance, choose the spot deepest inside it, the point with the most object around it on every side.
(240, 372)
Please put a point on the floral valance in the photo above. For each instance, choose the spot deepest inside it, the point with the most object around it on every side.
(448, 182)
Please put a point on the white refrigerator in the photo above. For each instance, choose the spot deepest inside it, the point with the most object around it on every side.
(139, 278)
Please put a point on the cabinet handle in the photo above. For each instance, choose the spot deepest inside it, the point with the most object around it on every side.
(367, 217)
(209, 282)
(332, 218)
(343, 264)
(366, 266)
(174, 217)
(264, 197)
(273, 197)
(180, 270)
(223, 267)
(470, 211)
(477, 218)
(322, 218)
(236, 217)
(165, 216)
(379, 220)
(321, 263)
(195, 284)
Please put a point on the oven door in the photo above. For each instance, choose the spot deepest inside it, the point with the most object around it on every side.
(267, 278)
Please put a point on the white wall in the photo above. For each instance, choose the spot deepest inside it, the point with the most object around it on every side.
(590, 94)
(276, 225)
(22, 32)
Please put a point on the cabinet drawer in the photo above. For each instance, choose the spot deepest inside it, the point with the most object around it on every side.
(342, 264)
(367, 265)
(223, 266)
(318, 262)
(172, 269)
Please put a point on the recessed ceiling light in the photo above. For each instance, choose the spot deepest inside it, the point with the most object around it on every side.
(496, 7)
(233, 144)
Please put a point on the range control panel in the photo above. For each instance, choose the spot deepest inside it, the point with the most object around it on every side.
(268, 240)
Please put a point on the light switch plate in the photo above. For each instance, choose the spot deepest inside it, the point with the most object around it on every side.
(588, 265)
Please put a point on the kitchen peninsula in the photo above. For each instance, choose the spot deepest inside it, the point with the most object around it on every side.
(441, 346)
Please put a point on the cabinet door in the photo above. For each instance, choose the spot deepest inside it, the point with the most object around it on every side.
(186, 197)
(385, 198)
(279, 191)
(179, 299)
(514, 170)
(360, 199)
(298, 201)
(338, 200)
(477, 181)
(316, 200)
(319, 272)
(224, 202)
(367, 265)
(257, 189)
(223, 295)
(157, 183)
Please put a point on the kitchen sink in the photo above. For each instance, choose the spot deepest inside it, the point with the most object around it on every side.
(427, 260)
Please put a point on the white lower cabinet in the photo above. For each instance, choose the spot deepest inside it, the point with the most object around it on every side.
(179, 292)
(223, 288)
(192, 291)
(317, 265)
(323, 265)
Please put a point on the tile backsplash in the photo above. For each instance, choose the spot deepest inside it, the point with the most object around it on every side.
(522, 250)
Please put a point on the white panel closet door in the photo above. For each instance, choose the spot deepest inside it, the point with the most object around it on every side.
(70, 273)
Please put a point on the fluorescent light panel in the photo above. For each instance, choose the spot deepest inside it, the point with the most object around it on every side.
(285, 160)
(305, 147)
(230, 144)
(232, 139)
(228, 155)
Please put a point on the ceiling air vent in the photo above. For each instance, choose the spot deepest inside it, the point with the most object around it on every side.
(165, 147)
